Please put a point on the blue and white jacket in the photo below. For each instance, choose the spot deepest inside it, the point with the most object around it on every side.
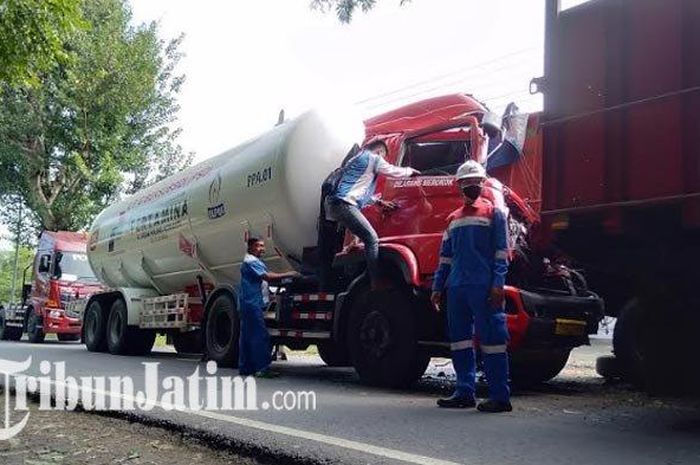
(359, 179)
(474, 248)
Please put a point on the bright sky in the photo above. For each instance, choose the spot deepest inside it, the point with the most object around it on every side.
(247, 59)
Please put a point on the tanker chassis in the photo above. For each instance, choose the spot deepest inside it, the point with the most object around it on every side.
(171, 254)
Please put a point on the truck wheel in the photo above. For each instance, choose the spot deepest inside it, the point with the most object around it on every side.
(35, 331)
(628, 343)
(382, 339)
(653, 341)
(608, 366)
(8, 333)
(123, 339)
(530, 367)
(188, 343)
(68, 337)
(333, 355)
(223, 330)
(95, 328)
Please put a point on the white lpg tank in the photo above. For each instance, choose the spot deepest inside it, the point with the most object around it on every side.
(196, 222)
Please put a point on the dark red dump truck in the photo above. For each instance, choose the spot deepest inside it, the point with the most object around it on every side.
(621, 173)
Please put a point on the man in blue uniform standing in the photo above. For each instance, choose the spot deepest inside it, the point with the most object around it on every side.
(473, 267)
(355, 190)
(255, 349)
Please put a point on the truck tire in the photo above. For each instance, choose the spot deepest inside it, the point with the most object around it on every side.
(654, 342)
(188, 343)
(35, 331)
(382, 338)
(223, 330)
(529, 367)
(628, 345)
(68, 337)
(95, 327)
(608, 366)
(333, 355)
(8, 333)
(123, 339)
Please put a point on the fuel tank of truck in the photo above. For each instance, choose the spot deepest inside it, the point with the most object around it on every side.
(197, 221)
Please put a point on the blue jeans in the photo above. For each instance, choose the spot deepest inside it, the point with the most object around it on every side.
(352, 218)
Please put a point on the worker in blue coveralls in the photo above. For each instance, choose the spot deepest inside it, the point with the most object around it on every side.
(355, 190)
(255, 349)
(472, 270)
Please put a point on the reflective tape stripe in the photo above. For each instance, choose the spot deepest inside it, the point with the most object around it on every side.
(501, 254)
(499, 349)
(460, 345)
(445, 261)
(470, 221)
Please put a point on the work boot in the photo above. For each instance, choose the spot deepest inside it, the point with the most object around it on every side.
(494, 406)
(457, 401)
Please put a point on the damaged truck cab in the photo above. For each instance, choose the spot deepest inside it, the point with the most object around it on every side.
(549, 308)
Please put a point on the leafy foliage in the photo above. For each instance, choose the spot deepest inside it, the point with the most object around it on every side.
(95, 127)
(31, 37)
(7, 261)
(344, 9)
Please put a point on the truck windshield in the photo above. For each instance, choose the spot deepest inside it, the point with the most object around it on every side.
(74, 266)
(439, 158)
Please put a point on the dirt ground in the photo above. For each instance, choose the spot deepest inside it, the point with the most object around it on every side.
(76, 438)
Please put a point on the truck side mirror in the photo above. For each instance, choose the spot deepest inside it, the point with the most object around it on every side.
(57, 272)
(26, 290)
(44, 263)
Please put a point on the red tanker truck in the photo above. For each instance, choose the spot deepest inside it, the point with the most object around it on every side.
(171, 253)
(60, 274)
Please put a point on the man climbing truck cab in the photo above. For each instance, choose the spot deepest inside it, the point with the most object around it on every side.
(61, 274)
(171, 254)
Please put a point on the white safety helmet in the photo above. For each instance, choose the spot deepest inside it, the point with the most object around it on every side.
(469, 170)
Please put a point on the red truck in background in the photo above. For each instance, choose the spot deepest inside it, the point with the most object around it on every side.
(60, 274)
(621, 179)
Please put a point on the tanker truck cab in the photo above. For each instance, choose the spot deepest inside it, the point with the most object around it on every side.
(390, 337)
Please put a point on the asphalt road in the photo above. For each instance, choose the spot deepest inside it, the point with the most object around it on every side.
(574, 419)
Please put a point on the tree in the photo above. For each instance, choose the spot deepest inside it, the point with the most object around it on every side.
(345, 8)
(7, 261)
(95, 127)
(31, 36)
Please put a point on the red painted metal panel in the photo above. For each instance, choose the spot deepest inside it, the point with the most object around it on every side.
(621, 103)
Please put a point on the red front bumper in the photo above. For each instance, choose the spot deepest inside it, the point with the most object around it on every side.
(56, 321)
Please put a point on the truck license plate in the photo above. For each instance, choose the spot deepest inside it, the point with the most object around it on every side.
(569, 327)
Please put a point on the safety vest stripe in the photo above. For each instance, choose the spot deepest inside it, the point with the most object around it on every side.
(461, 345)
(469, 221)
(497, 349)
(501, 254)
(445, 261)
